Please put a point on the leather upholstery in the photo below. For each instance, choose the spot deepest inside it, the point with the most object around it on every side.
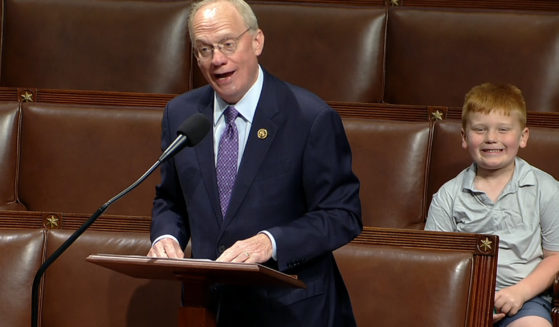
(75, 158)
(9, 124)
(389, 158)
(419, 281)
(21, 257)
(70, 158)
(543, 150)
(137, 46)
(447, 156)
(410, 55)
(446, 52)
(78, 291)
(353, 53)
(335, 51)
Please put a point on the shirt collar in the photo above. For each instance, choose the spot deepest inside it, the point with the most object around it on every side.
(521, 177)
(246, 106)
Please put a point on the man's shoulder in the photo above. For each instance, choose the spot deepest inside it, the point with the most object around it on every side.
(195, 97)
(305, 96)
(302, 96)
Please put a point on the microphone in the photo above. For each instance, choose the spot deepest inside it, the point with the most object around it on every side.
(190, 133)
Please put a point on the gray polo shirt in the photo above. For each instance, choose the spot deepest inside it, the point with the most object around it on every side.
(525, 217)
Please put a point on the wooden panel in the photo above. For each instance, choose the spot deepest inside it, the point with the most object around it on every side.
(388, 111)
(486, 4)
(547, 5)
(59, 220)
(346, 2)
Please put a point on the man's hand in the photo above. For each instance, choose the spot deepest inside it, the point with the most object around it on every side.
(166, 248)
(257, 249)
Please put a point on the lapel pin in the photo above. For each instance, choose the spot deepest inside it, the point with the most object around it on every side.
(262, 133)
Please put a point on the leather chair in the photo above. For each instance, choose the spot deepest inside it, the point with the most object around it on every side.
(66, 150)
(97, 296)
(420, 267)
(9, 120)
(20, 259)
(389, 158)
(434, 56)
(133, 46)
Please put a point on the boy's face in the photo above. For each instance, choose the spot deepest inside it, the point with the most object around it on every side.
(493, 139)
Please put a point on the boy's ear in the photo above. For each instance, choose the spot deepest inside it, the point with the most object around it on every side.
(463, 135)
(524, 137)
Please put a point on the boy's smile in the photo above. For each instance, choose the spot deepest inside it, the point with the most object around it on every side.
(493, 139)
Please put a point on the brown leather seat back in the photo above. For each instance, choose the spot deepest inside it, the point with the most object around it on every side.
(390, 158)
(9, 125)
(136, 46)
(79, 293)
(427, 287)
(542, 150)
(75, 158)
(21, 257)
(448, 158)
(434, 56)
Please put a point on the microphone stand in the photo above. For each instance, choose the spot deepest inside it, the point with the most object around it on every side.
(195, 127)
(77, 233)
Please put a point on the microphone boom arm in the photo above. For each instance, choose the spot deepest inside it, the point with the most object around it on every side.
(190, 132)
(73, 237)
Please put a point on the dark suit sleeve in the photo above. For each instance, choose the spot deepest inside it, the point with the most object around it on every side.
(331, 193)
(169, 214)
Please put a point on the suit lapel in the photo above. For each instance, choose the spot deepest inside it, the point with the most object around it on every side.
(267, 119)
(206, 162)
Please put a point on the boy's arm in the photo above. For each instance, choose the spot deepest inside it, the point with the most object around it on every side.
(509, 300)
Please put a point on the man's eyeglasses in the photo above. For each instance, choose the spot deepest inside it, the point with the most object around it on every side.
(227, 47)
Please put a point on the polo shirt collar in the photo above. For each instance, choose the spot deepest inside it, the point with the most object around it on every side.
(522, 176)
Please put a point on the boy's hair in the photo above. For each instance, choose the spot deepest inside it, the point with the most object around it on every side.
(488, 97)
(242, 7)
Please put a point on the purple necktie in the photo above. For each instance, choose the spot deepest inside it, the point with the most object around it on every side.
(227, 155)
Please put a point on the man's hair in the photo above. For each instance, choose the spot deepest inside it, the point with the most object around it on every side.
(488, 97)
(242, 7)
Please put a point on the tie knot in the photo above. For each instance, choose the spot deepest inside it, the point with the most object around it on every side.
(230, 114)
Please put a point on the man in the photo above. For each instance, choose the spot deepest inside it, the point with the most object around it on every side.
(293, 198)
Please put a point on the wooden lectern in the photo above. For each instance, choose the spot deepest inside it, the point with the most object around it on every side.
(197, 276)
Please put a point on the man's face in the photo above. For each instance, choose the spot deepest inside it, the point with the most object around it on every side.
(230, 75)
(493, 139)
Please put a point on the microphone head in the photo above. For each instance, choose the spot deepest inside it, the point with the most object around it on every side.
(194, 128)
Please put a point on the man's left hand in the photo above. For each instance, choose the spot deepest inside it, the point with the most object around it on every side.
(257, 249)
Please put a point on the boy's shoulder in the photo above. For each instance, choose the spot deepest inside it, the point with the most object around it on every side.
(464, 179)
(529, 174)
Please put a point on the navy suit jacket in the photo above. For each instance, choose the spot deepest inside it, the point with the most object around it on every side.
(297, 183)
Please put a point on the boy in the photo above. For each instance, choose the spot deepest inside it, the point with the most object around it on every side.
(502, 194)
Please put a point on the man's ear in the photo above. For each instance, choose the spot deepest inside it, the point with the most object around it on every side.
(463, 136)
(258, 42)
